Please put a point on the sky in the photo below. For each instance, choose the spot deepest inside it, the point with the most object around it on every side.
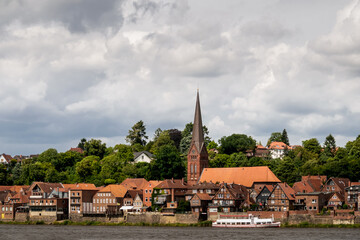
(71, 69)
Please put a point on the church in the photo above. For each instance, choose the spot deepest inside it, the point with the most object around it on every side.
(198, 170)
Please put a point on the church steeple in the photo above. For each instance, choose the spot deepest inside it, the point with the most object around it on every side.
(198, 155)
(198, 133)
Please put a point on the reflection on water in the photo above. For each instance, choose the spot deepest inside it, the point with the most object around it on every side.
(40, 232)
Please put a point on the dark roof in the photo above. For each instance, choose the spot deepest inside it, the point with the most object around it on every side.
(172, 183)
(133, 193)
(197, 133)
(203, 196)
(79, 150)
(46, 187)
(149, 154)
(289, 192)
(205, 185)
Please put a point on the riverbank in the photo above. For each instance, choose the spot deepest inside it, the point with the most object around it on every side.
(97, 223)
(200, 224)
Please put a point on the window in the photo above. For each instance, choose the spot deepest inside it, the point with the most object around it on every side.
(149, 190)
(282, 201)
(194, 191)
(313, 201)
(146, 191)
(146, 199)
(78, 194)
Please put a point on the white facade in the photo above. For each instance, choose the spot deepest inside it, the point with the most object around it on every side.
(142, 158)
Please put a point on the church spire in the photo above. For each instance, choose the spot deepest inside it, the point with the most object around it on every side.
(198, 133)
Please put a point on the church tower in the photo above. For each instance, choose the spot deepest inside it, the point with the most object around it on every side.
(197, 157)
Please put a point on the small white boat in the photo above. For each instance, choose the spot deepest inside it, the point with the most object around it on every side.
(247, 221)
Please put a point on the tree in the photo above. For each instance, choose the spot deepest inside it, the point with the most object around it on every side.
(212, 145)
(167, 163)
(137, 134)
(82, 144)
(330, 146)
(285, 138)
(236, 143)
(95, 147)
(312, 145)
(163, 139)
(176, 136)
(87, 168)
(275, 137)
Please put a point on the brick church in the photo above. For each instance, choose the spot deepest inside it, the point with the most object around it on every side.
(197, 157)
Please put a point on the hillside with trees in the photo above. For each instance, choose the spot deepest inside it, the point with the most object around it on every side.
(102, 165)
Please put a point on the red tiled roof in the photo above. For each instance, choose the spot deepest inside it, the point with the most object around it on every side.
(80, 186)
(172, 183)
(246, 176)
(46, 187)
(116, 190)
(278, 145)
(203, 196)
(7, 157)
(135, 183)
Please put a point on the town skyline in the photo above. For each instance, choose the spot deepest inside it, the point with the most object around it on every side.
(261, 68)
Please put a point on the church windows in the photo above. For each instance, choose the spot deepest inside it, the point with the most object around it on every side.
(195, 169)
(192, 168)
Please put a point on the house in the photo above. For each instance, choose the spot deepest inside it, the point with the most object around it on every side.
(80, 198)
(309, 184)
(5, 159)
(282, 198)
(6, 208)
(261, 151)
(147, 192)
(128, 201)
(278, 149)
(229, 198)
(311, 201)
(109, 200)
(169, 192)
(335, 200)
(250, 177)
(262, 197)
(352, 194)
(48, 202)
(138, 203)
(199, 203)
(336, 185)
(209, 188)
(143, 156)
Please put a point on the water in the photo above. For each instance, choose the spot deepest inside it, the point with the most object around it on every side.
(47, 232)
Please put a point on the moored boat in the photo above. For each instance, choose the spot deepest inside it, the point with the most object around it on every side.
(247, 221)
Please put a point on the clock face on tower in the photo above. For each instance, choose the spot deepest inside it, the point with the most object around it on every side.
(193, 151)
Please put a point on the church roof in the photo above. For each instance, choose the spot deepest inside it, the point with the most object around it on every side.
(246, 176)
(198, 134)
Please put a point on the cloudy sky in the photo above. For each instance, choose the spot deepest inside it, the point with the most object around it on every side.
(71, 69)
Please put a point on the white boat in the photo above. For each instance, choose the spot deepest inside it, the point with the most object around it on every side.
(247, 221)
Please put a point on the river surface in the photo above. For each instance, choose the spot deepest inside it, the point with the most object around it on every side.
(49, 232)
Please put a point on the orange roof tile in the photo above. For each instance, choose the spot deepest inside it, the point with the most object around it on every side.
(80, 186)
(204, 196)
(172, 183)
(278, 145)
(135, 183)
(116, 190)
(246, 176)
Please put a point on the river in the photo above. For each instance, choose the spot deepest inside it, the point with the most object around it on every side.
(52, 232)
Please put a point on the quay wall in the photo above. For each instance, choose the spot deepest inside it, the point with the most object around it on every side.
(158, 218)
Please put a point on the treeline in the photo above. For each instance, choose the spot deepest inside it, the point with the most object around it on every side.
(103, 165)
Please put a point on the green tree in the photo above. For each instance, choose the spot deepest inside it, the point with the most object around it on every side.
(212, 145)
(163, 139)
(312, 145)
(219, 161)
(167, 163)
(187, 137)
(88, 168)
(236, 143)
(275, 137)
(137, 134)
(285, 138)
(330, 146)
(95, 147)
(82, 143)
(175, 136)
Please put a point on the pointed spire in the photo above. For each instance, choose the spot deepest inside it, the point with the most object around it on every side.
(198, 134)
